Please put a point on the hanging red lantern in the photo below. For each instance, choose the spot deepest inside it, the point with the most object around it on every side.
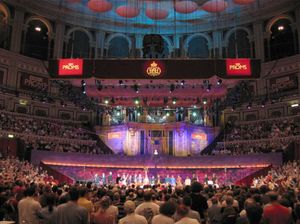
(128, 11)
(186, 7)
(156, 14)
(243, 2)
(215, 6)
(99, 5)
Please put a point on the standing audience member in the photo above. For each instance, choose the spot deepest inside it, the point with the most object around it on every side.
(29, 208)
(182, 212)
(214, 212)
(275, 213)
(71, 212)
(166, 211)
(131, 217)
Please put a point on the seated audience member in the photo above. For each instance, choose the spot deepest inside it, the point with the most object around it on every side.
(166, 211)
(131, 217)
(274, 213)
(148, 209)
(214, 212)
(103, 216)
(28, 207)
(182, 212)
(71, 212)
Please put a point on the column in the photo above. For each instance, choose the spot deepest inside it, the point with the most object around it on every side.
(177, 48)
(217, 44)
(100, 37)
(139, 45)
(17, 30)
(59, 39)
(259, 40)
(297, 13)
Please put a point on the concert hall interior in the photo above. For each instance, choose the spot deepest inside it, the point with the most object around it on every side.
(110, 106)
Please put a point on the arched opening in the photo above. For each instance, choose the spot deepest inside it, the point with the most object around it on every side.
(5, 29)
(198, 48)
(118, 47)
(281, 40)
(239, 45)
(36, 40)
(78, 45)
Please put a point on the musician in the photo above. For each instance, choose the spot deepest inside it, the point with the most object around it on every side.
(172, 181)
(128, 180)
(214, 179)
(157, 181)
(110, 178)
(179, 181)
(96, 179)
(206, 179)
(118, 179)
(167, 180)
(187, 181)
(103, 179)
(194, 178)
(140, 179)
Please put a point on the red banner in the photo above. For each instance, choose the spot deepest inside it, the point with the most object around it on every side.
(238, 67)
(70, 67)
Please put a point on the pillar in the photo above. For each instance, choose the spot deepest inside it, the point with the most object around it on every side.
(17, 30)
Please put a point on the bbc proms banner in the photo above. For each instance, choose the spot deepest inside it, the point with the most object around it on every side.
(33, 82)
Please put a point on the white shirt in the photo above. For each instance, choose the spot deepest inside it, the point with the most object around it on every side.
(133, 219)
(28, 210)
(187, 220)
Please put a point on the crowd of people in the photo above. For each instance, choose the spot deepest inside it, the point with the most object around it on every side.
(21, 124)
(286, 176)
(251, 147)
(264, 129)
(54, 146)
(29, 195)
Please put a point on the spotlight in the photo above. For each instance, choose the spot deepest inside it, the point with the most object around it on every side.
(83, 83)
(182, 82)
(219, 82)
(194, 114)
(106, 101)
(295, 105)
(280, 28)
(118, 113)
(174, 101)
(204, 101)
(136, 101)
(38, 29)
(168, 114)
(138, 114)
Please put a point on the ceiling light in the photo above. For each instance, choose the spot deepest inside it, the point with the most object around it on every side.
(295, 105)
(38, 29)
(204, 101)
(136, 102)
(106, 101)
(194, 114)
(280, 28)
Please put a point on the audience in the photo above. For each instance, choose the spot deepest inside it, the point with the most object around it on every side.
(40, 199)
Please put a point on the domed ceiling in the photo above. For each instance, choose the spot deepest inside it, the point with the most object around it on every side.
(157, 16)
